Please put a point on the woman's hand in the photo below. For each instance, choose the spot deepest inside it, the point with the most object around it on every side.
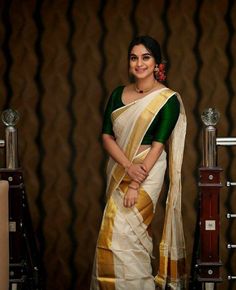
(130, 197)
(137, 172)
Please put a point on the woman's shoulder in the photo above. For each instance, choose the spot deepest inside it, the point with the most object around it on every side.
(172, 94)
(118, 90)
(170, 90)
(115, 96)
(172, 102)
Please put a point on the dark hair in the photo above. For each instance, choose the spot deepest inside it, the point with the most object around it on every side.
(151, 45)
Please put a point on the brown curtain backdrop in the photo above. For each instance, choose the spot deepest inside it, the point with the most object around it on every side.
(59, 61)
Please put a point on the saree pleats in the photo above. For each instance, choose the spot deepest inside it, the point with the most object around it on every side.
(124, 247)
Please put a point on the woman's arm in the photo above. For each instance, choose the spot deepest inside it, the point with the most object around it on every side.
(131, 195)
(114, 150)
(153, 155)
(135, 171)
(167, 118)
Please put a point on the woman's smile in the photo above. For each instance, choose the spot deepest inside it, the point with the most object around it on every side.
(141, 62)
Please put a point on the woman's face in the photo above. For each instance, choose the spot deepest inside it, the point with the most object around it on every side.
(141, 62)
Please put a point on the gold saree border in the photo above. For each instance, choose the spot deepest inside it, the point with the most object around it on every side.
(105, 262)
(176, 270)
(115, 114)
(145, 206)
(144, 121)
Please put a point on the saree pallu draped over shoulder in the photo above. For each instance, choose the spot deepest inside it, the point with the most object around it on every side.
(124, 246)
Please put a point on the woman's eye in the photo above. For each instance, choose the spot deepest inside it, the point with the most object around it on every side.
(133, 58)
(146, 57)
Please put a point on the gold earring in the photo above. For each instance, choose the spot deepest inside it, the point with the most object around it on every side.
(156, 69)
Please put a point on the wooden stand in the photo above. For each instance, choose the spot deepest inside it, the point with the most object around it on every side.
(208, 263)
(23, 252)
(4, 236)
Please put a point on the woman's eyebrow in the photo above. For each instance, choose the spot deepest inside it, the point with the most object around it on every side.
(146, 53)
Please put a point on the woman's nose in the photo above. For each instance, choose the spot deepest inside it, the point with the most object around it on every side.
(140, 61)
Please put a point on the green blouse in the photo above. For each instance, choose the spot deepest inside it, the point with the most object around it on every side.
(160, 128)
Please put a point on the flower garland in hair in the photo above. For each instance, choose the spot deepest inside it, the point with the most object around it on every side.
(161, 73)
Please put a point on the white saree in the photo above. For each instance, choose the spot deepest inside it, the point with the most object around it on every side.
(124, 246)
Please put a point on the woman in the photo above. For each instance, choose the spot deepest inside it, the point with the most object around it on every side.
(138, 121)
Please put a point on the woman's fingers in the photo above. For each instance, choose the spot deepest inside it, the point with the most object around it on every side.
(144, 167)
(129, 202)
(137, 169)
(140, 178)
(130, 197)
(140, 170)
(126, 201)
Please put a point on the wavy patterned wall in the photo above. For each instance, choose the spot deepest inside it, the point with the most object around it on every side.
(59, 61)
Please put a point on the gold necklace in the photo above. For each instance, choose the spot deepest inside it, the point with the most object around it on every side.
(143, 91)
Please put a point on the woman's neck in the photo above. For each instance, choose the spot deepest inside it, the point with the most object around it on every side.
(144, 85)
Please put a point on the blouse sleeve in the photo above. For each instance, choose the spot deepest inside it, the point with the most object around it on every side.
(107, 127)
(167, 118)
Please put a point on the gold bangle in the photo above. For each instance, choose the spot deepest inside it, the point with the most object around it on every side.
(133, 187)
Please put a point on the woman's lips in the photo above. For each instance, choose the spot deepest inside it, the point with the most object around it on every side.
(140, 70)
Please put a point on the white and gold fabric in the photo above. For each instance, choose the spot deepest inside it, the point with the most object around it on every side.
(124, 246)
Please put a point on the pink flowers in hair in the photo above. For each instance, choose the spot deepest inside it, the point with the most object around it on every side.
(161, 76)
